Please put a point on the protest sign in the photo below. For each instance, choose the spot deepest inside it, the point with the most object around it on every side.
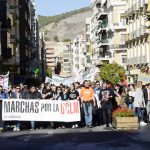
(40, 110)
(4, 80)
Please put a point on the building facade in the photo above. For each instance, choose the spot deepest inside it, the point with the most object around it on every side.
(79, 52)
(138, 41)
(108, 31)
(17, 32)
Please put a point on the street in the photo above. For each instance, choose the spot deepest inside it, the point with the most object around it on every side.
(97, 138)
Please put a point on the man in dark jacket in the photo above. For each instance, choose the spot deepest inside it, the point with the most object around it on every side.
(33, 94)
(107, 97)
(18, 94)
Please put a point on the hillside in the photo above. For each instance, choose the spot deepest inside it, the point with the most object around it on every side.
(64, 26)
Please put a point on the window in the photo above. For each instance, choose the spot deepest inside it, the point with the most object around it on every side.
(87, 28)
(124, 59)
(66, 60)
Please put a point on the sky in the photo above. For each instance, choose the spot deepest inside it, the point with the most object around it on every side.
(55, 7)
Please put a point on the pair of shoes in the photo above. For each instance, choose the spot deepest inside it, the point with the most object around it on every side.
(73, 127)
(86, 126)
(15, 129)
(90, 126)
(142, 123)
(31, 129)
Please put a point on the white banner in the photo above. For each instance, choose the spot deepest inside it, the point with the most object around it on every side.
(64, 80)
(40, 110)
(4, 80)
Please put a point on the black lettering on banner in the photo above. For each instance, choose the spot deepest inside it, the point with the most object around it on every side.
(27, 107)
(22, 107)
(42, 106)
(36, 107)
(32, 107)
(17, 106)
(12, 106)
(46, 107)
(6, 107)
(55, 108)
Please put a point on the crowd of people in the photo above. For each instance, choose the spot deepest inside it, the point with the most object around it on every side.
(97, 102)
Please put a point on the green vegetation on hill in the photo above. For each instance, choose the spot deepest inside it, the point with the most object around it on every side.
(50, 19)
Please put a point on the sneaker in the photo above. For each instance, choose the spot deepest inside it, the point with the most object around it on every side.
(142, 123)
(90, 126)
(73, 126)
(63, 127)
(86, 126)
(107, 126)
(76, 125)
(110, 125)
(15, 129)
(31, 129)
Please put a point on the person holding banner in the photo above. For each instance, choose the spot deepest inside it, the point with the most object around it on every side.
(88, 99)
(33, 94)
(17, 95)
(3, 95)
(73, 95)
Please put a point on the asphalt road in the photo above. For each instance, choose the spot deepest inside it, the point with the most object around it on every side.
(98, 138)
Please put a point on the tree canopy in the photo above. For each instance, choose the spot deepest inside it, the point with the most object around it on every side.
(113, 73)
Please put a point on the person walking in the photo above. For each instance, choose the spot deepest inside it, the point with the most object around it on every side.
(33, 94)
(107, 97)
(88, 100)
(139, 103)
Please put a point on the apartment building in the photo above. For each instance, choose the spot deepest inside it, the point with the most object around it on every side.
(88, 43)
(17, 30)
(79, 52)
(108, 31)
(138, 40)
(59, 57)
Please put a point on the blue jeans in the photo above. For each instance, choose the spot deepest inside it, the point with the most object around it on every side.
(32, 124)
(140, 113)
(87, 107)
(130, 106)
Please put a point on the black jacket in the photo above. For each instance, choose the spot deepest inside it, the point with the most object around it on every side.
(35, 95)
(145, 92)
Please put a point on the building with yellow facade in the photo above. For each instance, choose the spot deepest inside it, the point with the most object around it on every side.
(137, 41)
(108, 31)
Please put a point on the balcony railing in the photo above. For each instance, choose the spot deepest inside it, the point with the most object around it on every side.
(118, 47)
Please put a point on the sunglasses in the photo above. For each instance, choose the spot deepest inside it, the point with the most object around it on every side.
(17, 88)
(97, 84)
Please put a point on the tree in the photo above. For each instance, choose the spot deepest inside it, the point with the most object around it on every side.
(113, 73)
(49, 72)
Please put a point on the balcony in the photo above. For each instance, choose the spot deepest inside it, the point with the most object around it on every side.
(118, 47)
(103, 42)
(119, 26)
(102, 26)
(102, 12)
